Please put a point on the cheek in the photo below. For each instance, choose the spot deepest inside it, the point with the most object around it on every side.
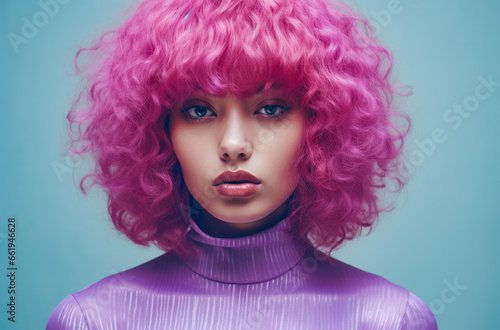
(184, 145)
(281, 156)
(195, 159)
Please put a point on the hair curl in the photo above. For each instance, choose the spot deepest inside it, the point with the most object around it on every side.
(322, 52)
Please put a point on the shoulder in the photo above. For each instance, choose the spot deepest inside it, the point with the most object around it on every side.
(378, 302)
(111, 295)
(67, 315)
(418, 315)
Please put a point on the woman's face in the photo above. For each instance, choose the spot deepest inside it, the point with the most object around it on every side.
(259, 135)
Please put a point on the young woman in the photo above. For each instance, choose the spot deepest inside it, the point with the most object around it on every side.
(242, 137)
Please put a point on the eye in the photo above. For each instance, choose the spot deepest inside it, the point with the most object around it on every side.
(196, 112)
(274, 111)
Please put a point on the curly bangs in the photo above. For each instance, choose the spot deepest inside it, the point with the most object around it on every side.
(320, 52)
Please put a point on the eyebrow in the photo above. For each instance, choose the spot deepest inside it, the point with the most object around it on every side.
(188, 100)
(259, 90)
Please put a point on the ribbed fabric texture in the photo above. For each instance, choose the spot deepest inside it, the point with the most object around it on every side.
(248, 259)
(263, 281)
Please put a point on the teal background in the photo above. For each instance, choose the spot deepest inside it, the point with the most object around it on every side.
(445, 226)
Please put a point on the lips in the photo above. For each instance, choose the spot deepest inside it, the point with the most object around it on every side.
(235, 178)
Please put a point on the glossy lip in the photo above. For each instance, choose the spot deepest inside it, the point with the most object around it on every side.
(232, 177)
(236, 190)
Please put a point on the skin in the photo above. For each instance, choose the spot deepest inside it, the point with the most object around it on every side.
(238, 133)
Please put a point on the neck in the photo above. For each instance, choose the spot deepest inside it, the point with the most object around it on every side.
(249, 259)
(222, 229)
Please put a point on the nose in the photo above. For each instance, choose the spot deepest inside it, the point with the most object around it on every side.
(235, 143)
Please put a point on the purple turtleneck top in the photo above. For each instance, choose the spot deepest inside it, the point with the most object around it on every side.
(266, 280)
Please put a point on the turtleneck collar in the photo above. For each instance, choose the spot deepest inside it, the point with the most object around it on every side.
(248, 259)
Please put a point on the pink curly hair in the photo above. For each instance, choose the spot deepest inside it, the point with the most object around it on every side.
(322, 52)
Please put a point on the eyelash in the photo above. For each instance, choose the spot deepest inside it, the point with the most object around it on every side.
(281, 114)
